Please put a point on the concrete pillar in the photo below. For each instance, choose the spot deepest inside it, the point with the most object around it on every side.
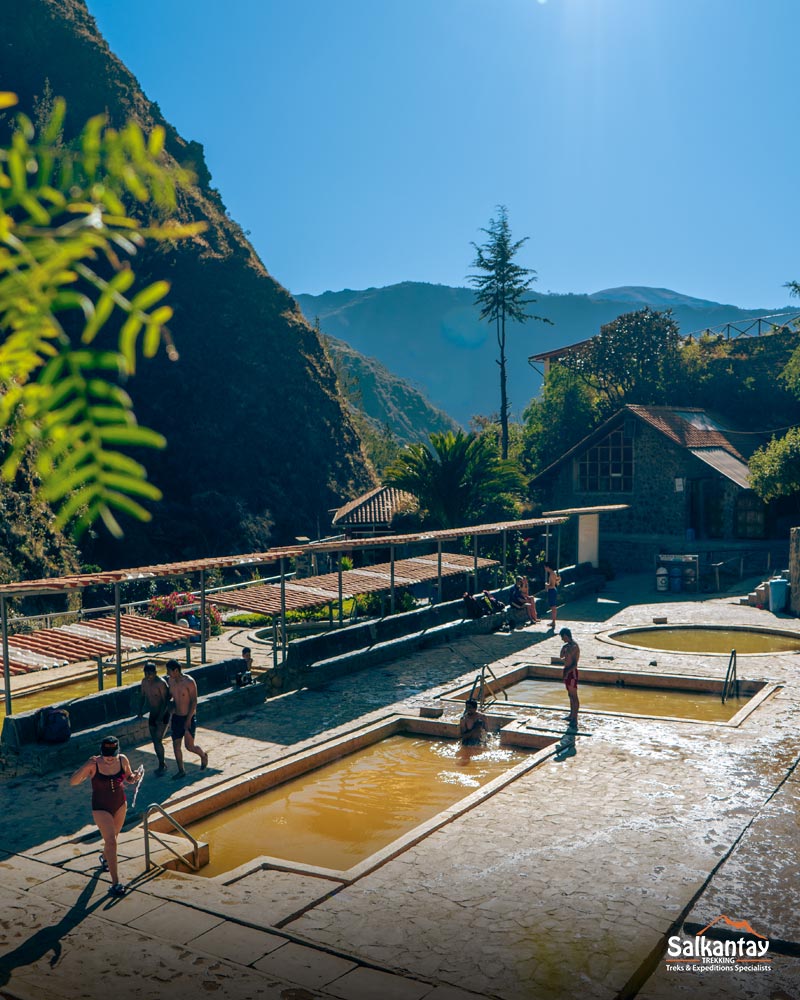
(794, 569)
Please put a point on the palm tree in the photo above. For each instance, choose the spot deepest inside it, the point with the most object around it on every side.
(458, 480)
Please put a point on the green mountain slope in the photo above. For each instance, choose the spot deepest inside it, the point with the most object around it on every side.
(258, 433)
(385, 399)
(431, 335)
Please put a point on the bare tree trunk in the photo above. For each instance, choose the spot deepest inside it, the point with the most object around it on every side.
(501, 340)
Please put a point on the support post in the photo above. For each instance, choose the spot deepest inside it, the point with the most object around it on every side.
(283, 610)
(6, 667)
(100, 677)
(439, 570)
(202, 616)
(558, 547)
(391, 579)
(274, 642)
(505, 555)
(475, 562)
(188, 653)
(339, 568)
(118, 635)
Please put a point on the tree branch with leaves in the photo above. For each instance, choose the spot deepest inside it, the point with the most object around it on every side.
(71, 317)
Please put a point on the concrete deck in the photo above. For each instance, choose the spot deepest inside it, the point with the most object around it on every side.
(567, 882)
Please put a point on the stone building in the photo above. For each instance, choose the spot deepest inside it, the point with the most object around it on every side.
(683, 474)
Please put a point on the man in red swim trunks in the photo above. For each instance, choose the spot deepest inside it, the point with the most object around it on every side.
(570, 654)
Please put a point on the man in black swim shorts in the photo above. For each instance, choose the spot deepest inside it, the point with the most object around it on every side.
(156, 696)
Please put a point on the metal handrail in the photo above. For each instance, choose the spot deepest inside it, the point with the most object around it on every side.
(731, 679)
(194, 864)
(481, 679)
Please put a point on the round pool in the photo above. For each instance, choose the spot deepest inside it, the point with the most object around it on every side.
(719, 639)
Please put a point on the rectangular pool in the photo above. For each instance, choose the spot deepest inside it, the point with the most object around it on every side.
(339, 814)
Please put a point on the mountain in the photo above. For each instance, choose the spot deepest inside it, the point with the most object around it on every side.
(657, 298)
(261, 444)
(431, 336)
(385, 399)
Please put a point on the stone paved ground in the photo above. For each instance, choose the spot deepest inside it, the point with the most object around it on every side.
(565, 883)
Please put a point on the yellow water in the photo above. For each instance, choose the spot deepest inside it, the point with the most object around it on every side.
(709, 640)
(66, 692)
(342, 812)
(633, 700)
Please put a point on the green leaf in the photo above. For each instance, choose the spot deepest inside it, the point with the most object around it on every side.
(133, 436)
(130, 485)
(150, 295)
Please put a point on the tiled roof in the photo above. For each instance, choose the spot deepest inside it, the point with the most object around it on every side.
(317, 591)
(376, 507)
(690, 427)
(53, 647)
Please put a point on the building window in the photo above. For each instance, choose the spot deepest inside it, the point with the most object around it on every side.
(608, 467)
(749, 516)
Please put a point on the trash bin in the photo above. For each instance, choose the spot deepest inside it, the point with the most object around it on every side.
(778, 592)
(662, 579)
(675, 578)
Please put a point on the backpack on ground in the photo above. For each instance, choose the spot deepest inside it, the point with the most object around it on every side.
(52, 725)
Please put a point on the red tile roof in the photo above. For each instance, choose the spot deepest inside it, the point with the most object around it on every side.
(690, 427)
(376, 507)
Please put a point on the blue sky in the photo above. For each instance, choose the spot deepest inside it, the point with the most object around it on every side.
(366, 142)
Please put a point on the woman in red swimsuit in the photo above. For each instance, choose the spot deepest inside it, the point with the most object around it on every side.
(109, 771)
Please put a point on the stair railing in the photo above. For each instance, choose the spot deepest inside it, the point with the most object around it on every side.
(731, 685)
(194, 863)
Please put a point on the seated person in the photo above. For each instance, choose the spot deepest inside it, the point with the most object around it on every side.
(472, 724)
(521, 600)
(473, 608)
(491, 602)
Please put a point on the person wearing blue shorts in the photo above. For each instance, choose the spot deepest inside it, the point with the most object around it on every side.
(551, 582)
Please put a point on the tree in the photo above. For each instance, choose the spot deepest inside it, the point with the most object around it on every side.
(70, 326)
(563, 415)
(634, 359)
(775, 468)
(459, 480)
(501, 287)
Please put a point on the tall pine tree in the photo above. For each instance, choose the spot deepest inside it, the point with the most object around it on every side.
(501, 287)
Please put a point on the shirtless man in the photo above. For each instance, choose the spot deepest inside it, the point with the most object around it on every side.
(184, 719)
(155, 695)
(570, 654)
(551, 582)
(472, 724)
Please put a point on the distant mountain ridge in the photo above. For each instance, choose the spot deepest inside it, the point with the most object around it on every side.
(430, 335)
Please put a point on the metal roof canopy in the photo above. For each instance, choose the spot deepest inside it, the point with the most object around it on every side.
(65, 584)
(317, 591)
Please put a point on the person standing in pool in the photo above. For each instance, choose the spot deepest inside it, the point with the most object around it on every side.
(551, 582)
(109, 772)
(472, 724)
(155, 695)
(184, 719)
(570, 655)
